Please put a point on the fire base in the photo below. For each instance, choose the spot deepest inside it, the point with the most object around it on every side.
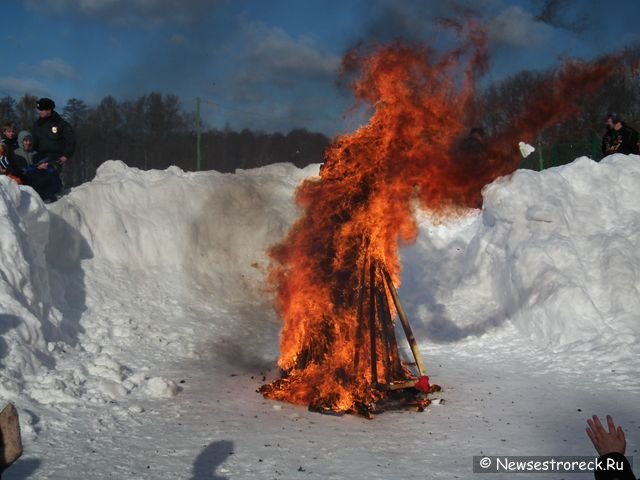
(377, 380)
(408, 395)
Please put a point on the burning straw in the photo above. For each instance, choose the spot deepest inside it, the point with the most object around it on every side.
(359, 211)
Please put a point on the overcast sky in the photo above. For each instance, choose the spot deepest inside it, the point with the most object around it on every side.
(270, 64)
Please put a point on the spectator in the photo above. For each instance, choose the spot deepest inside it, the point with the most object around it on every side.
(52, 135)
(609, 445)
(619, 138)
(475, 143)
(24, 153)
(9, 136)
(43, 178)
(8, 166)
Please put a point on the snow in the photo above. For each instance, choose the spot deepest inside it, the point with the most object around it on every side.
(135, 326)
(525, 149)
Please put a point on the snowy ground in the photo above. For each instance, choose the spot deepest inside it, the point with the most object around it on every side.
(135, 328)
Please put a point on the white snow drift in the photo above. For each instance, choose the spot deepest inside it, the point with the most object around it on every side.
(113, 292)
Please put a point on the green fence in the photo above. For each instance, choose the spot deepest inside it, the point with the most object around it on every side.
(547, 156)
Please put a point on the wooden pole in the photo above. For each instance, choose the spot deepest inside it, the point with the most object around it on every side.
(372, 321)
(397, 372)
(405, 323)
(360, 326)
(386, 341)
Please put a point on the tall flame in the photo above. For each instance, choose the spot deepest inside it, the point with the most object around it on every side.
(361, 207)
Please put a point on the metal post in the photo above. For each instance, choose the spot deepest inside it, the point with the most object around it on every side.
(540, 159)
(198, 134)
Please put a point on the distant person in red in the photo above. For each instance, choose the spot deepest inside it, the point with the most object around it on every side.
(620, 137)
(52, 135)
(610, 445)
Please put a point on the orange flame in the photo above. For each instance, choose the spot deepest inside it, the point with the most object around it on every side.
(361, 207)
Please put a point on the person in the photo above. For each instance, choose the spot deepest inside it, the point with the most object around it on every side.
(52, 135)
(9, 136)
(609, 445)
(43, 178)
(619, 138)
(23, 155)
(8, 166)
(475, 143)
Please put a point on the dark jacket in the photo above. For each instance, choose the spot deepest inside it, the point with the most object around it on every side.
(45, 182)
(12, 143)
(53, 136)
(9, 165)
(473, 145)
(625, 474)
(23, 157)
(624, 140)
(18, 163)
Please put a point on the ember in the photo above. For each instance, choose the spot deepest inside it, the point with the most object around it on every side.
(336, 269)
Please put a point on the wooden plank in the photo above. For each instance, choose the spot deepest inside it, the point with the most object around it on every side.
(405, 323)
(372, 322)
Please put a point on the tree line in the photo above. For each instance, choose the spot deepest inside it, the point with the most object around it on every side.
(580, 135)
(154, 131)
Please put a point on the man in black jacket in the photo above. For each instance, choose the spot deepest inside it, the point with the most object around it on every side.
(620, 137)
(52, 135)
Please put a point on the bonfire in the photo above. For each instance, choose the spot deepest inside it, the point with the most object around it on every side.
(336, 271)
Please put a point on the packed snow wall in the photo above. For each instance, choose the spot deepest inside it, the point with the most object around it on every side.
(554, 254)
(28, 319)
(207, 226)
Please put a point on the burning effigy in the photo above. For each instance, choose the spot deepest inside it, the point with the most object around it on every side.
(335, 272)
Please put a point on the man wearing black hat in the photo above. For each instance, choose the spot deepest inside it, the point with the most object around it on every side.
(52, 135)
(619, 138)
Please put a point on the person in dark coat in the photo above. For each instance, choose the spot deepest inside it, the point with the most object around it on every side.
(43, 178)
(610, 445)
(619, 138)
(9, 136)
(52, 135)
(475, 143)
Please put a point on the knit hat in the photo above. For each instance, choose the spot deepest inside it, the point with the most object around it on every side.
(45, 104)
(22, 135)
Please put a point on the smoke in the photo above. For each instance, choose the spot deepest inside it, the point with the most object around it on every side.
(563, 14)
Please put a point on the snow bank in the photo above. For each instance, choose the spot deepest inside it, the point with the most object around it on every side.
(102, 291)
(553, 253)
(112, 265)
(28, 320)
(209, 226)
